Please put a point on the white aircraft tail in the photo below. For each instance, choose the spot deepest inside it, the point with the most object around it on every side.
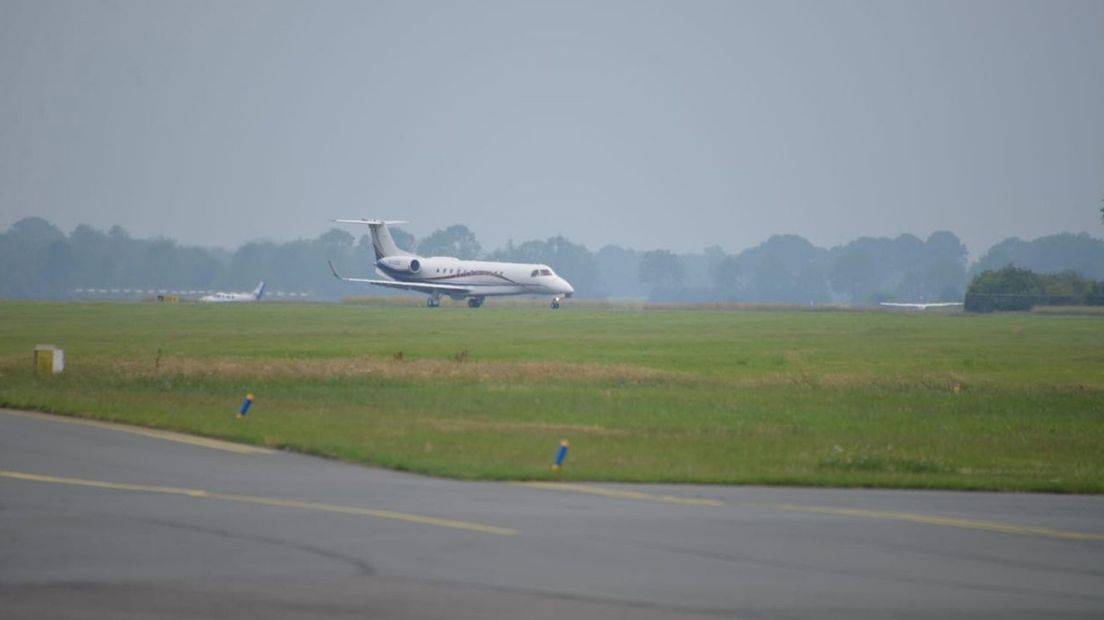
(259, 291)
(382, 242)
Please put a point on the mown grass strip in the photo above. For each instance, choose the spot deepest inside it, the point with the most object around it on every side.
(1003, 402)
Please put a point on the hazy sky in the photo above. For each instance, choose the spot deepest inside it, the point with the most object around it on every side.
(678, 124)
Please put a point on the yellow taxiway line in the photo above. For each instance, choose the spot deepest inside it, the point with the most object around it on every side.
(204, 442)
(972, 524)
(620, 493)
(265, 501)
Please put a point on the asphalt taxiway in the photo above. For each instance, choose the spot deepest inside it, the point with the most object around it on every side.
(99, 521)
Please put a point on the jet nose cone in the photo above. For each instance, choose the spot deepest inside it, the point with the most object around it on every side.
(568, 290)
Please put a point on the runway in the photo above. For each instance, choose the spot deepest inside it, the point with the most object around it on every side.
(103, 522)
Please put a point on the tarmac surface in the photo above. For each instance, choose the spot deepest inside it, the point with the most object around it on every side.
(99, 521)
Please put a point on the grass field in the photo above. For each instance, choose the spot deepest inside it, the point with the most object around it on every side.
(1008, 402)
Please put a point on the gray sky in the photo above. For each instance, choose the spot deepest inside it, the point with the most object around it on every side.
(677, 124)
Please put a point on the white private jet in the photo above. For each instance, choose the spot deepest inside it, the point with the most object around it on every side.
(456, 278)
(921, 306)
(225, 297)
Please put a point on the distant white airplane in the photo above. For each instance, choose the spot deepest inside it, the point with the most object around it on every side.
(922, 306)
(227, 297)
(445, 275)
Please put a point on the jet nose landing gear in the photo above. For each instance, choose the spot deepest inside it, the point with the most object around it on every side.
(555, 303)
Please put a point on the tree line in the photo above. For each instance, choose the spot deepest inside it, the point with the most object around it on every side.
(1016, 288)
(41, 261)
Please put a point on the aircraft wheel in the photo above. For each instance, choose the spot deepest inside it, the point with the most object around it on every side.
(555, 304)
(475, 302)
(432, 303)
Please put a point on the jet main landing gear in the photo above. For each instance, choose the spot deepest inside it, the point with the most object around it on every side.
(433, 301)
(475, 302)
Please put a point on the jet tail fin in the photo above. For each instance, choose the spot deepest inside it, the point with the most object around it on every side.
(259, 291)
(382, 242)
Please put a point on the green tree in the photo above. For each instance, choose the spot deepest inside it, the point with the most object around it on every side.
(619, 269)
(785, 269)
(1050, 254)
(250, 263)
(403, 239)
(665, 273)
(36, 260)
(161, 263)
(727, 274)
(36, 231)
(456, 240)
(661, 268)
(197, 267)
(854, 274)
(1010, 288)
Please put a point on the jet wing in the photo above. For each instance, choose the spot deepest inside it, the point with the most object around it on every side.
(421, 287)
(446, 289)
(924, 306)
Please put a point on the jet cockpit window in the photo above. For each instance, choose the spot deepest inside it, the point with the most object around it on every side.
(536, 272)
(546, 272)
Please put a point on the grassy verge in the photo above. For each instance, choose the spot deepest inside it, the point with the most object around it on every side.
(1009, 402)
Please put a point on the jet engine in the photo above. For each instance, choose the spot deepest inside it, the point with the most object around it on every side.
(405, 264)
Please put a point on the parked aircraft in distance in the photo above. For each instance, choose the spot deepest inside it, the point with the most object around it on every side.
(922, 306)
(446, 275)
(225, 297)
